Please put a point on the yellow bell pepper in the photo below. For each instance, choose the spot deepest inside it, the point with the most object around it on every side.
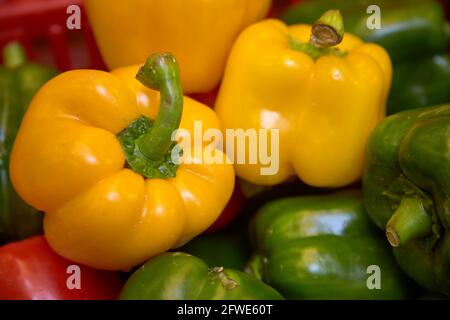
(199, 33)
(100, 170)
(324, 100)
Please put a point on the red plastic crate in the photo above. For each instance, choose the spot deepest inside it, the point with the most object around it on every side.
(40, 25)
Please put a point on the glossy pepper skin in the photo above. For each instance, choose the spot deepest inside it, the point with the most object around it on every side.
(100, 210)
(324, 108)
(30, 270)
(180, 276)
(228, 249)
(19, 81)
(420, 83)
(414, 33)
(406, 190)
(320, 247)
(199, 33)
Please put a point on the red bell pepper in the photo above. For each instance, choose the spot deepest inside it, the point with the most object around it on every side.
(208, 98)
(30, 270)
(231, 211)
(279, 6)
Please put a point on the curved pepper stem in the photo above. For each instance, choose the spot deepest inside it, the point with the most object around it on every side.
(14, 55)
(328, 31)
(410, 221)
(161, 73)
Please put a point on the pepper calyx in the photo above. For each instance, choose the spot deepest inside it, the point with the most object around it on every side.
(147, 144)
(226, 282)
(130, 137)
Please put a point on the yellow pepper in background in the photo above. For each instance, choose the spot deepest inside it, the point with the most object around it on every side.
(324, 101)
(199, 33)
(69, 160)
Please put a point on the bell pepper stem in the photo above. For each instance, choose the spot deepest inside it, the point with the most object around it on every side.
(161, 72)
(410, 221)
(227, 282)
(14, 55)
(328, 31)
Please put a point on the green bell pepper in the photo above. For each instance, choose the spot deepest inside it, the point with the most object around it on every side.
(323, 247)
(406, 185)
(180, 276)
(19, 81)
(226, 249)
(425, 82)
(415, 34)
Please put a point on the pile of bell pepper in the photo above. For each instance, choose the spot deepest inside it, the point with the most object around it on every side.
(101, 200)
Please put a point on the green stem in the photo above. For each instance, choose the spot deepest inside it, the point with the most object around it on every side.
(227, 283)
(14, 55)
(410, 221)
(326, 32)
(161, 73)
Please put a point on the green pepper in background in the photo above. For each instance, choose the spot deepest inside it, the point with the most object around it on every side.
(415, 34)
(224, 249)
(425, 82)
(409, 28)
(406, 186)
(180, 276)
(230, 247)
(19, 81)
(320, 247)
